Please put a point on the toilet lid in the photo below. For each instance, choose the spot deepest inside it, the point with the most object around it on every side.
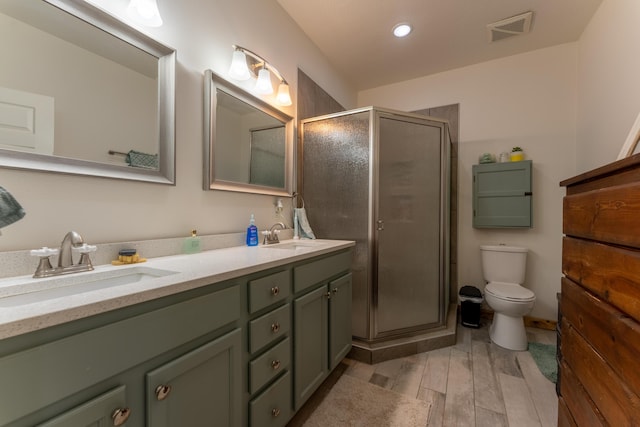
(510, 292)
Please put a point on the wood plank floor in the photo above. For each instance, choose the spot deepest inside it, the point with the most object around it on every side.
(474, 383)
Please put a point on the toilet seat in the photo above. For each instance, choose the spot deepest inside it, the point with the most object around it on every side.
(510, 292)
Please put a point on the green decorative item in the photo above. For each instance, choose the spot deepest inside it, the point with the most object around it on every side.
(517, 154)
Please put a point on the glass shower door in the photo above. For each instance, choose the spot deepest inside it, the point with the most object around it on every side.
(409, 241)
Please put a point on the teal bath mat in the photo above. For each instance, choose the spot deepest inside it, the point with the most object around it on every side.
(545, 357)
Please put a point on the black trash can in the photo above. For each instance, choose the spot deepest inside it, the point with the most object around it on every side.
(470, 302)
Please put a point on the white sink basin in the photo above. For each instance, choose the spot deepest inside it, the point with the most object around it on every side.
(292, 245)
(39, 290)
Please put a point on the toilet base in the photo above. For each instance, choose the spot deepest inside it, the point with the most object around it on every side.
(508, 332)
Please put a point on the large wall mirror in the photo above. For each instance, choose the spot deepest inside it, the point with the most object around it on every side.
(83, 93)
(248, 143)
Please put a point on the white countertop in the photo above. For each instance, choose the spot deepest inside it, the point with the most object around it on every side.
(191, 272)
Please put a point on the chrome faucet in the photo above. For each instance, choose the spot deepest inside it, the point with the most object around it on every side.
(72, 241)
(271, 236)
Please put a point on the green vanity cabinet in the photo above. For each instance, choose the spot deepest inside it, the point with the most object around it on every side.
(54, 380)
(322, 322)
(248, 351)
(502, 195)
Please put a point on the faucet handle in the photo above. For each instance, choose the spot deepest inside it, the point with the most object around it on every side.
(44, 252)
(84, 248)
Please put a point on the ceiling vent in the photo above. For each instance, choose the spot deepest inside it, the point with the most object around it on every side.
(509, 27)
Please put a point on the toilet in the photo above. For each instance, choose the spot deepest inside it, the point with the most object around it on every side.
(503, 268)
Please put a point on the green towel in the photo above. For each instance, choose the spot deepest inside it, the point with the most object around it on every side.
(10, 209)
(142, 160)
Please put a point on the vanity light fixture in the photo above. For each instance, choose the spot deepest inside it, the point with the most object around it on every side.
(246, 63)
(144, 12)
(402, 30)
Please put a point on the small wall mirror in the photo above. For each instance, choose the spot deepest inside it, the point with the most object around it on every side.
(248, 143)
(83, 93)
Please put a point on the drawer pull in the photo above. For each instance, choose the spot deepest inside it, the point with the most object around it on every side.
(120, 416)
(275, 364)
(275, 327)
(275, 412)
(275, 291)
(162, 391)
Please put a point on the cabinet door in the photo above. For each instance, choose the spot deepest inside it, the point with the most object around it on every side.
(105, 410)
(310, 345)
(502, 195)
(201, 388)
(339, 319)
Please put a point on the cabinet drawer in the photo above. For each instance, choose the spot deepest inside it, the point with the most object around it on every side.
(269, 327)
(97, 411)
(270, 364)
(272, 408)
(315, 272)
(268, 290)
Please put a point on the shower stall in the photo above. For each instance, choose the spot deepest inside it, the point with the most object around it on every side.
(381, 178)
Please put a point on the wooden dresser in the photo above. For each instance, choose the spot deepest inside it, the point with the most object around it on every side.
(600, 299)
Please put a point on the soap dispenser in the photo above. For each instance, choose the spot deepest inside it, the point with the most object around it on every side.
(191, 244)
(252, 232)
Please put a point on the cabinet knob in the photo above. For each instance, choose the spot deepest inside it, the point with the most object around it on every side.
(120, 416)
(275, 364)
(275, 291)
(275, 412)
(162, 391)
(335, 290)
(328, 294)
(380, 226)
(275, 327)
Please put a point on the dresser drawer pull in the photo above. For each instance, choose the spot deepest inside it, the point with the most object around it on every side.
(275, 291)
(275, 364)
(162, 391)
(275, 327)
(120, 416)
(275, 412)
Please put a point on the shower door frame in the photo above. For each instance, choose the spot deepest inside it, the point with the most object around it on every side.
(374, 215)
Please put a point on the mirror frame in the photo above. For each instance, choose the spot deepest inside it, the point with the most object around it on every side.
(166, 108)
(213, 84)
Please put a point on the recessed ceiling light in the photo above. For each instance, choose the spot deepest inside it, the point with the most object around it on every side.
(402, 30)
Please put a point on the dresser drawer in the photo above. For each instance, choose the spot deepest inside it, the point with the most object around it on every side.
(270, 364)
(268, 290)
(272, 408)
(269, 327)
(315, 272)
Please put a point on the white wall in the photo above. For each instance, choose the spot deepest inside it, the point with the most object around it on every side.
(527, 100)
(105, 210)
(608, 82)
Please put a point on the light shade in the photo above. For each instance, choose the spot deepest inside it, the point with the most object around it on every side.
(263, 85)
(239, 69)
(144, 12)
(283, 97)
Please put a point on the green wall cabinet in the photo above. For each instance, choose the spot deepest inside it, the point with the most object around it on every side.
(502, 195)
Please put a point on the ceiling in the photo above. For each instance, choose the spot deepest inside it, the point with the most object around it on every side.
(356, 37)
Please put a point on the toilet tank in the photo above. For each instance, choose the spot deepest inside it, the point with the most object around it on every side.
(505, 264)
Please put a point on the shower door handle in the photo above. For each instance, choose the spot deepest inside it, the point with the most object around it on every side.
(380, 226)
